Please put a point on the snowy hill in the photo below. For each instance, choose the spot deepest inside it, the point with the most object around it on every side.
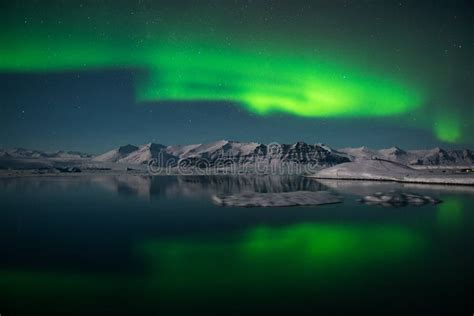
(27, 153)
(116, 154)
(428, 157)
(146, 153)
(383, 170)
(225, 151)
(298, 153)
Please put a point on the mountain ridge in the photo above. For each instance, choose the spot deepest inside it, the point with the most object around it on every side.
(302, 152)
(252, 152)
(224, 151)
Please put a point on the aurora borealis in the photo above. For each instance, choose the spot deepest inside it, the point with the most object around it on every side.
(399, 68)
(141, 171)
(266, 84)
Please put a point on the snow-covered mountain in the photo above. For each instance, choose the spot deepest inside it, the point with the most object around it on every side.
(116, 154)
(441, 157)
(298, 153)
(425, 157)
(225, 151)
(384, 170)
(27, 153)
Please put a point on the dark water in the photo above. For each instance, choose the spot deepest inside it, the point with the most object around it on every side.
(139, 245)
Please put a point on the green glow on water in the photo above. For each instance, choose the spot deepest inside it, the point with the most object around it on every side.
(449, 213)
(322, 243)
(303, 253)
(239, 263)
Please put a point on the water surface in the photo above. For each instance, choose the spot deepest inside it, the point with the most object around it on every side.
(158, 245)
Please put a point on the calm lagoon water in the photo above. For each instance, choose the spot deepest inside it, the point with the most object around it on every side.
(130, 245)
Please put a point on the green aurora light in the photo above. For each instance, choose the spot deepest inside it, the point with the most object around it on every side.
(262, 83)
(448, 129)
(274, 83)
(173, 61)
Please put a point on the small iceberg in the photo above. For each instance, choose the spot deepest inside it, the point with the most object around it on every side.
(392, 199)
(296, 198)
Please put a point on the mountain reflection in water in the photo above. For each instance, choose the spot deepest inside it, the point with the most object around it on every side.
(147, 245)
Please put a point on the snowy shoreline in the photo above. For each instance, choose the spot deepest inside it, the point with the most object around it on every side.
(383, 170)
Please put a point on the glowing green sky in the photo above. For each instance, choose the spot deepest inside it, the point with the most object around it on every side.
(273, 81)
(257, 58)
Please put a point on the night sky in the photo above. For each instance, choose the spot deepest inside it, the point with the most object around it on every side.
(93, 75)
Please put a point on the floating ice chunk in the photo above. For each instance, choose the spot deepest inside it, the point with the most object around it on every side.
(393, 199)
(296, 198)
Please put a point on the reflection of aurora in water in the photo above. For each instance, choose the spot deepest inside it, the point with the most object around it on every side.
(450, 213)
(155, 253)
(298, 252)
(244, 263)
